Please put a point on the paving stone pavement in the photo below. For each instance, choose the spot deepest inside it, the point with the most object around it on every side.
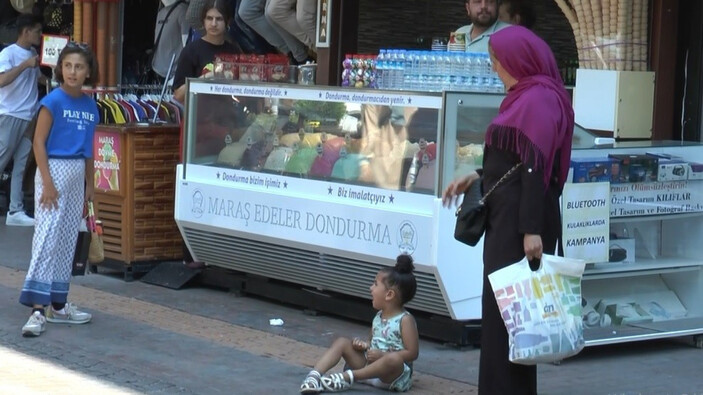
(153, 340)
(55, 379)
(239, 339)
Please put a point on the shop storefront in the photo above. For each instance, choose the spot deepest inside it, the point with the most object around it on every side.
(327, 206)
(260, 204)
(137, 141)
(319, 187)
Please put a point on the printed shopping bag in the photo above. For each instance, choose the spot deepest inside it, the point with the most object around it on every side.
(80, 256)
(541, 309)
(96, 253)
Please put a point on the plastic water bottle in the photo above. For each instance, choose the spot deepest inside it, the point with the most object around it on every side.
(400, 70)
(456, 67)
(446, 70)
(433, 69)
(416, 70)
(486, 73)
(471, 79)
(408, 70)
(381, 69)
(390, 68)
(462, 75)
(423, 84)
(498, 86)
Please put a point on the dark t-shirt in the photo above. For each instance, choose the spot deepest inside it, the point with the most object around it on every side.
(196, 55)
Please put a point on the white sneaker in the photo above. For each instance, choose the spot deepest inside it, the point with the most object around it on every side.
(19, 218)
(34, 326)
(69, 315)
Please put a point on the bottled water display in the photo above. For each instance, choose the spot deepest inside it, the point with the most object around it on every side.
(436, 71)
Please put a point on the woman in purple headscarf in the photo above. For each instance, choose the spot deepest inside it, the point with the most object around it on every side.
(534, 126)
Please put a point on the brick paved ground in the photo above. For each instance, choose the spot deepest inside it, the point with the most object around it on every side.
(154, 340)
(213, 331)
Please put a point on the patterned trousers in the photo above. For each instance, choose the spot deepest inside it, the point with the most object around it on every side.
(55, 234)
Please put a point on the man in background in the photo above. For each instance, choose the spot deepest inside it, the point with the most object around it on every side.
(170, 36)
(484, 22)
(297, 17)
(19, 75)
(517, 12)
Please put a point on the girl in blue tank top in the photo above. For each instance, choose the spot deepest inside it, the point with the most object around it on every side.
(386, 359)
(63, 148)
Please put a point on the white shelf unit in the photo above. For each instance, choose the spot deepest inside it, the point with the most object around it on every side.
(668, 261)
(644, 267)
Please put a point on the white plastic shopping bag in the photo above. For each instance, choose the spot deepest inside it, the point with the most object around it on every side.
(541, 309)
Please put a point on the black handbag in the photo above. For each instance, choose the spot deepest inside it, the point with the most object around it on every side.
(471, 214)
(80, 257)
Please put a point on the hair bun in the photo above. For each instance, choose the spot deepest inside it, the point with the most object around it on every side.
(404, 264)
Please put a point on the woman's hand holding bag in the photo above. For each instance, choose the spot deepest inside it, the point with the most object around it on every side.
(471, 216)
(541, 309)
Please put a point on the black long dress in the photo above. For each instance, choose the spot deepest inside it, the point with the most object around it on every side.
(518, 206)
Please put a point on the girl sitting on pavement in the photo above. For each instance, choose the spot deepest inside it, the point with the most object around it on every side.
(63, 148)
(386, 360)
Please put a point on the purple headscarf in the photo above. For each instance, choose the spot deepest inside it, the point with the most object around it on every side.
(535, 120)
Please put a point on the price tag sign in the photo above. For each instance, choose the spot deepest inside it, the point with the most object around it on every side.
(51, 47)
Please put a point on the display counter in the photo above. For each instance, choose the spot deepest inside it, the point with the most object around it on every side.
(634, 211)
(321, 187)
(134, 192)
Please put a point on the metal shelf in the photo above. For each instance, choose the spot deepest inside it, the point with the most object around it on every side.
(643, 267)
(639, 332)
(661, 217)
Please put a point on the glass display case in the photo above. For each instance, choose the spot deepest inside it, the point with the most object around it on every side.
(317, 186)
(338, 137)
(322, 186)
(466, 118)
(648, 280)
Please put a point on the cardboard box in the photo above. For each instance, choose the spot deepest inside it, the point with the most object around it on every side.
(600, 169)
(637, 167)
(621, 251)
(618, 101)
(672, 170)
(664, 155)
(695, 171)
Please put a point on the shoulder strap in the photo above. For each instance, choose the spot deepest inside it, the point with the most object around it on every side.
(168, 14)
(502, 179)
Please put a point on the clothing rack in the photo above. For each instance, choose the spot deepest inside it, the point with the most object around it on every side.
(141, 86)
(129, 107)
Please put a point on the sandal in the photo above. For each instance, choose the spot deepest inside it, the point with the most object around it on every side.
(311, 385)
(335, 382)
